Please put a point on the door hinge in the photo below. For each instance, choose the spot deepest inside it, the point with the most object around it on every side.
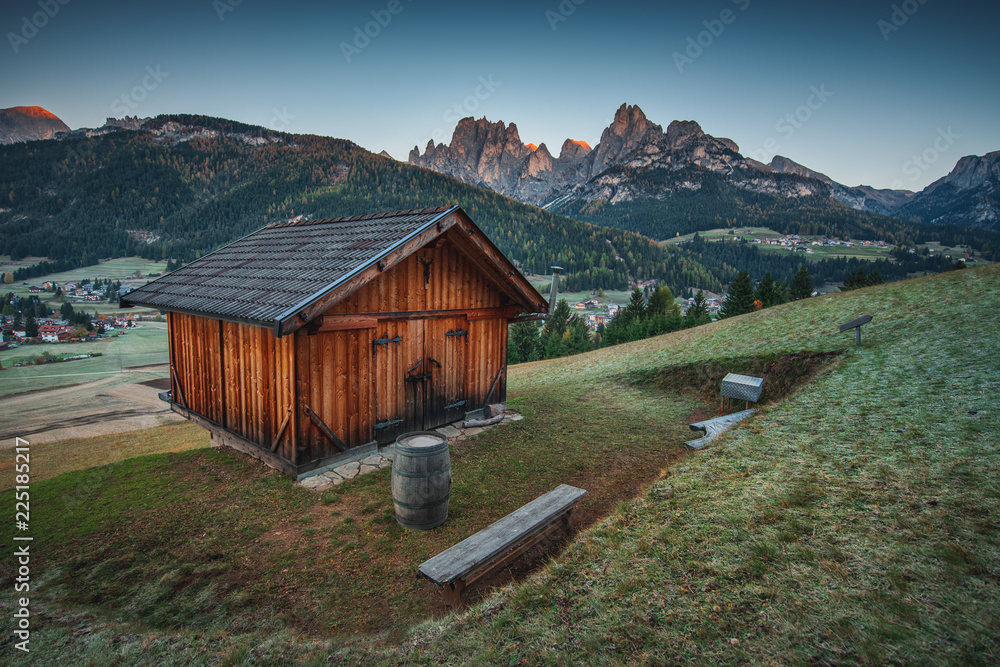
(460, 332)
(384, 341)
(387, 424)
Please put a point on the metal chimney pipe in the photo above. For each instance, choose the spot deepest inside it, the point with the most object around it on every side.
(555, 288)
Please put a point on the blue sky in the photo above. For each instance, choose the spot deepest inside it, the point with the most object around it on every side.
(856, 90)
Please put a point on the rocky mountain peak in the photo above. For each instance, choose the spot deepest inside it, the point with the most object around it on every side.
(681, 130)
(974, 171)
(574, 149)
(786, 166)
(34, 112)
(629, 130)
(29, 124)
(629, 120)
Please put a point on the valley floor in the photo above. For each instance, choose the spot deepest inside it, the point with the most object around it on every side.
(855, 520)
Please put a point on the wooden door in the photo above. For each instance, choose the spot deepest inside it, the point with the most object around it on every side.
(445, 342)
(419, 375)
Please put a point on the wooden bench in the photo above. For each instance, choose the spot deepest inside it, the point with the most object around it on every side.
(498, 544)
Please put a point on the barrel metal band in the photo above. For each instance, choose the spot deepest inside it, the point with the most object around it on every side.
(425, 506)
(423, 452)
(433, 523)
(418, 475)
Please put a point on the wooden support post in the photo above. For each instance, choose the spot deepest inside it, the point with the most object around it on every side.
(452, 594)
(325, 430)
(493, 386)
(281, 430)
(177, 383)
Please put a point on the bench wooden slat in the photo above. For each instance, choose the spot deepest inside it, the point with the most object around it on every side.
(453, 563)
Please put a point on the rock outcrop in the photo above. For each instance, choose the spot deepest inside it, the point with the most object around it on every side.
(969, 195)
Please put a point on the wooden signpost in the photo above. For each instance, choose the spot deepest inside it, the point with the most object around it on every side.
(856, 325)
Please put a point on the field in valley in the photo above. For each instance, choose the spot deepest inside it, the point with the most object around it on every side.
(120, 269)
(102, 395)
(854, 519)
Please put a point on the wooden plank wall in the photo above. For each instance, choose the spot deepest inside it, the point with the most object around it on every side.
(456, 283)
(259, 371)
(194, 357)
(334, 380)
(487, 354)
(237, 375)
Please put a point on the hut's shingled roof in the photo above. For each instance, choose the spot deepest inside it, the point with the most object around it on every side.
(277, 269)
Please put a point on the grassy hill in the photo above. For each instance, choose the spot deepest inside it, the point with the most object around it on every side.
(855, 519)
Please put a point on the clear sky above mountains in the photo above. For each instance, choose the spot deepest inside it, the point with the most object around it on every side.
(856, 90)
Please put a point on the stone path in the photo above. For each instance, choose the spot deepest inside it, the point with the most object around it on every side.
(455, 433)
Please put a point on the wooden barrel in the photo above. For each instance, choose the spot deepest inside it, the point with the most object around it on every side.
(421, 480)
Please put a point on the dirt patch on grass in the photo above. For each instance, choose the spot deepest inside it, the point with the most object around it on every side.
(782, 375)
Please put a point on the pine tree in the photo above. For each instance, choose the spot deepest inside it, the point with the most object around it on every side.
(780, 292)
(802, 287)
(697, 312)
(577, 337)
(30, 327)
(855, 280)
(524, 343)
(875, 277)
(554, 330)
(766, 291)
(636, 307)
(740, 298)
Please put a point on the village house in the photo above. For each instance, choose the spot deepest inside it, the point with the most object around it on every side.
(53, 333)
(308, 343)
(595, 320)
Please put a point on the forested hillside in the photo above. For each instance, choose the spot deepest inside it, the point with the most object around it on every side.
(184, 185)
(695, 199)
(724, 259)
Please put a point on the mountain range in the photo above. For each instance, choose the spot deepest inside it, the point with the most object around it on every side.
(637, 161)
(178, 186)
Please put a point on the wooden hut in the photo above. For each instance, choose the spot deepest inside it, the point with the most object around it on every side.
(309, 343)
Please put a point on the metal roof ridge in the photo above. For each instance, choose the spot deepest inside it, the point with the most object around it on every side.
(361, 218)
